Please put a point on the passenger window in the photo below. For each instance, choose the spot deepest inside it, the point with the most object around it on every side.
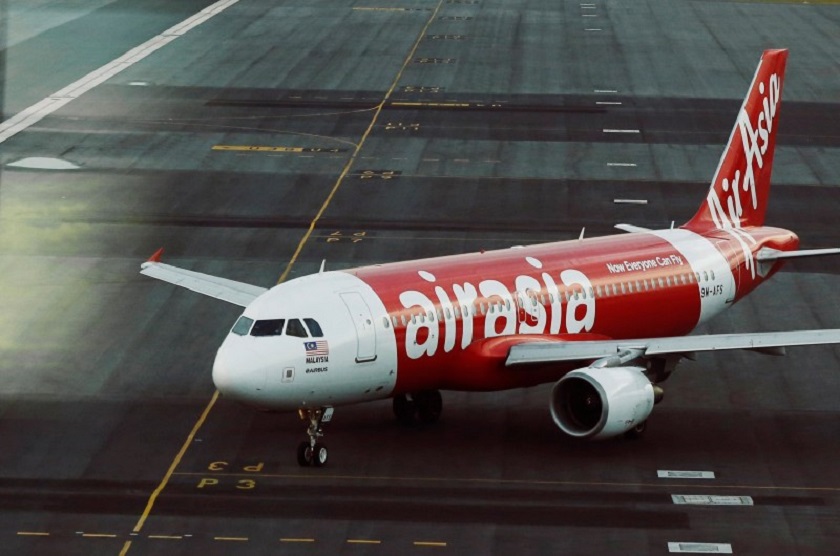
(705, 276)
(630, 286)
(273, 327)
(712, 274)
(448, 314)
(242, 326)
(296, 329)
(385, 322)
(314, 328)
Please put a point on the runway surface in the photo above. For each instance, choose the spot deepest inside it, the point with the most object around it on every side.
(395, 129)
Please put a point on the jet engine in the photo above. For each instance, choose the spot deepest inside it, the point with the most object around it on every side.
(602, 402)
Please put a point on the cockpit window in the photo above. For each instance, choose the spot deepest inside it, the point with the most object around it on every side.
(273, 327)
(314, 328)
(242, 326)
(296, 329)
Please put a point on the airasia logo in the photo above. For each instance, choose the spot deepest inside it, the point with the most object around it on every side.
(530, 305)
(727, 205)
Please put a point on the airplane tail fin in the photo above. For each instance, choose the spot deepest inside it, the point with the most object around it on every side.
(740, 189)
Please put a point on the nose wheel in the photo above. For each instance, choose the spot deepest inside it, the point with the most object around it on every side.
(312, 452)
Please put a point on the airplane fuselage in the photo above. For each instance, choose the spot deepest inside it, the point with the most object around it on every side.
(448, 322)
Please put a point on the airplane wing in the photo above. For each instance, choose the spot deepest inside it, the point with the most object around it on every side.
(231, 291)
(769, 342)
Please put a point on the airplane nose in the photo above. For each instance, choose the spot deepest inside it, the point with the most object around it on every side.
(236, 376)
(221, 373)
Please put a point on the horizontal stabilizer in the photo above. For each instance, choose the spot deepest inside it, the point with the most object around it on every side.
(237, 293)
(766, 342)
(631, 228)
(766, 254)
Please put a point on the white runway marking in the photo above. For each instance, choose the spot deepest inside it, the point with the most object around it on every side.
(669, 474)
(711, 500)
(621, 131)
(38, 111)
(699, 548)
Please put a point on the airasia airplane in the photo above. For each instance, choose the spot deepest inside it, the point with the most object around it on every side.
(577, 313)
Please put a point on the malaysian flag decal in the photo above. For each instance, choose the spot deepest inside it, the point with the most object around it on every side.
(314, 349)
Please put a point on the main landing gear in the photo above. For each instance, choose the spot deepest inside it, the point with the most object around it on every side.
(313, 452)
(424, 407)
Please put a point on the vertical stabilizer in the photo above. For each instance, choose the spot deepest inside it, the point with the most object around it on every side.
(741, 186)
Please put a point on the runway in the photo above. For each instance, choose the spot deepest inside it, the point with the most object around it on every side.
(271, 136)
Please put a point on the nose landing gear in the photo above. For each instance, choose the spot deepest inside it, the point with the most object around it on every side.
(313, 452)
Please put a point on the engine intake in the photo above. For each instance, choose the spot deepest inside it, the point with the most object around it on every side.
(601, 403)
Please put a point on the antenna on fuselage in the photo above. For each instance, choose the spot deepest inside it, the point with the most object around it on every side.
(582, 231)
(323, 265)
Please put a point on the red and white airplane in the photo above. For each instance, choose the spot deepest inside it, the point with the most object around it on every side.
(578, 313)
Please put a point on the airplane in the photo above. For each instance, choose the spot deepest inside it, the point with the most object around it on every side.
(579, 313)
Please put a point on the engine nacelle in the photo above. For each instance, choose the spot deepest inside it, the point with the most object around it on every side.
(601, 402)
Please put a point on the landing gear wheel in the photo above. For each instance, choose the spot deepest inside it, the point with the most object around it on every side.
(319, 455)
(429, 406)
(425, 406)
(636, 432)
(405, 410)
(304, 454)
(312, 452)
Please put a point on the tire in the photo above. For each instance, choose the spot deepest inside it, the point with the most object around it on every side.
(304, 454)
(319, 455)
(429, 406)
(405, 410)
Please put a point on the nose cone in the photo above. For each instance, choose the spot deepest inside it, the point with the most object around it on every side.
(237, 375)
(222, 376)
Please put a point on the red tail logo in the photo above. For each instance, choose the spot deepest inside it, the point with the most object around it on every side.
(740, 189)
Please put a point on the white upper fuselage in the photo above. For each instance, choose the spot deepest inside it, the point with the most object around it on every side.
(351, 359)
